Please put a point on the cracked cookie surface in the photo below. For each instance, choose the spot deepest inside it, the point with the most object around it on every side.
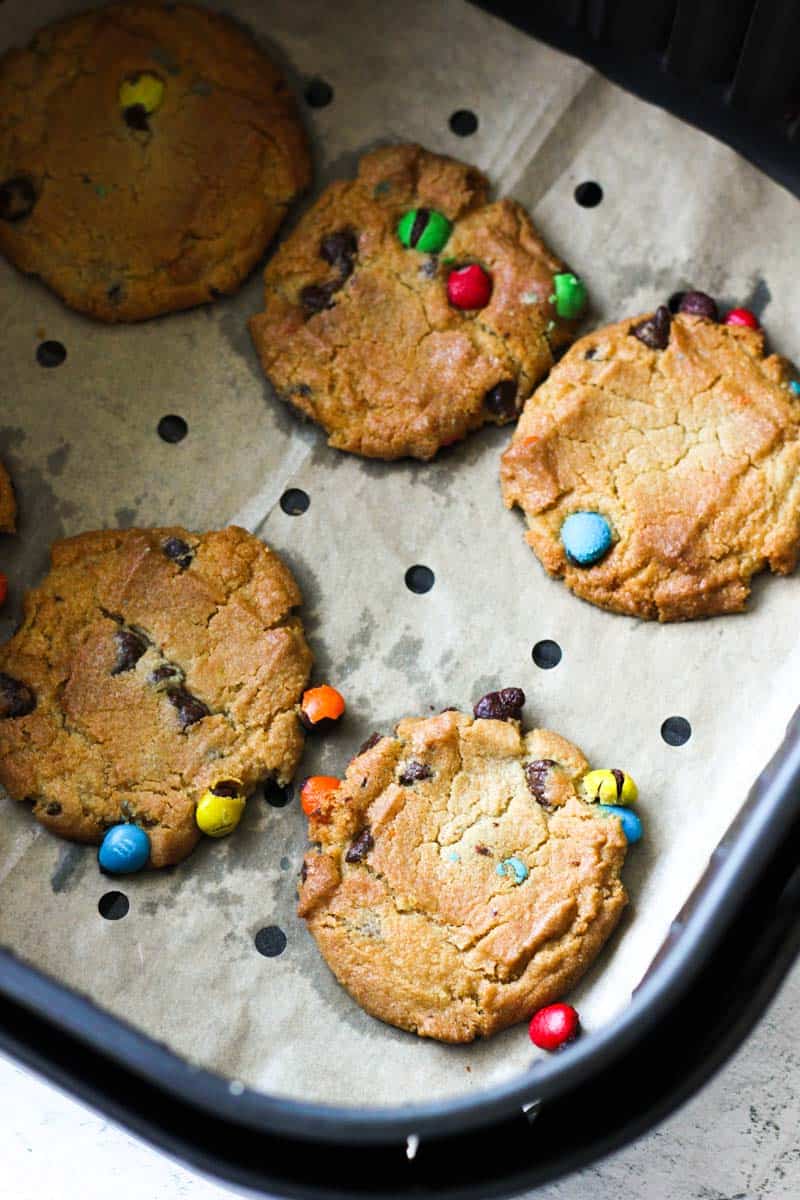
(357, 331)
(691, 452)
(150, 664)
(8, 503)
(125, 212)
(459, 882)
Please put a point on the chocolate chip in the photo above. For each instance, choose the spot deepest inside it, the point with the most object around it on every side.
(226, 787)
(620, 778)
(17, 198)
(591, 352)
(300, 389)
(501, 400)
(340, 249)
(179, 551)
(317, 296)
(188, 707)
(699, 304)
(505, 705)
(303, 873)
(130, 648)
(371, 741)
(536, 774)
(53, 808)
(654, 332)
(136, 117)
(165, 677)
(16, 699)
(114, 293)
(480, 849)
(360, 847)
(413, 772)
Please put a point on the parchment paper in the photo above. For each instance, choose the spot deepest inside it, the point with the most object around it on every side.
(678, 209)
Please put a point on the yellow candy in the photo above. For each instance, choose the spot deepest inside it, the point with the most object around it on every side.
(609, 787)
(218, 816)
(145, 89)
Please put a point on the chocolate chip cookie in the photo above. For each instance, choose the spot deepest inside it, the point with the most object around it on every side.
(659, 466)
(151, 663)
(405, 310)
(148, 154)
(8, 504)
(459, 881)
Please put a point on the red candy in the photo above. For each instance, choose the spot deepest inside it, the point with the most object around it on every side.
(3, 588)
(741, 316)
(469, 287)
(554, 1026)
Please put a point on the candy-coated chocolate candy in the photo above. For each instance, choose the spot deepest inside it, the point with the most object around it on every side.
(316, 793)
(552, 1027)
(795, 387)
(124, 849)
(742, 316)
(3, 587)
(570, 295)
(609, 786)
(513, 866)
(219, 810)
(631, 825)
(586, 537)
(144, 91)
(469, 287)
(320, 708)
(424, 229)
(699, 304)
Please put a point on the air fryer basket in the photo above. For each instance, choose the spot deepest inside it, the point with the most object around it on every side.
(169, 1018)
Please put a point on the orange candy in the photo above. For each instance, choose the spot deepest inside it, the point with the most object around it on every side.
(316, 792)
(321, 705)
(3, 587)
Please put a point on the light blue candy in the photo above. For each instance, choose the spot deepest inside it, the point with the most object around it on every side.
(586, 537)
(513, 866)
(631, 825)
(124, 849)
(795, 386)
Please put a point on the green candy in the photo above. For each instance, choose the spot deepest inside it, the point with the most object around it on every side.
(424, 229)
(570, 295)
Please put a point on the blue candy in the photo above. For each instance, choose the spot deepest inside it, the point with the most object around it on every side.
(631, 825)
(124, 849)
(513, 866)
(795, 386)
(586, 537)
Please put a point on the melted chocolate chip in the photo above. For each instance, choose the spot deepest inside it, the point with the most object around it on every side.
(371, 741)
(360, 846)
(591, 352)
(501, 400)
(179, 551)
(188, 707)
(700, 304)
(481, 849)
(165, 676)
(16, 698)
(413, 772)
(654, 332)
(114, 293)
(505, 705)
(136, 117)
(620, 778)
(317, 296)
(340, 249)
(17, 198)
(226, 787)
(418, 228)
(536, 778)
(53, 808)
(130, 648)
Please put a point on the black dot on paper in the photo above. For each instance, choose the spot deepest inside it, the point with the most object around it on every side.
(172, 428)
(676, 731)
(546, 654)
(50, 354)
(419, 579)
(588, 194)
(294, 501)
(113, 906)
(276, 795)
(463, 122)
(270, 941)
(674, 301)
(318, 93)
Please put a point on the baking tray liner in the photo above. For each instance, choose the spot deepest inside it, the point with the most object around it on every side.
(81, 442)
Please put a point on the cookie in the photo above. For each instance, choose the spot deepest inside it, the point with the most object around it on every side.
(8, 504)
(148, 154)
(150, 665)
(459, 881)
(659, 467)
(404, 310)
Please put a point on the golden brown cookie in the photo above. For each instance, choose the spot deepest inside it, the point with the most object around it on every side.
(8, 504)
(151, 663)
(358, 331)
(459, 881)
(688, 448)
(148, 154)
